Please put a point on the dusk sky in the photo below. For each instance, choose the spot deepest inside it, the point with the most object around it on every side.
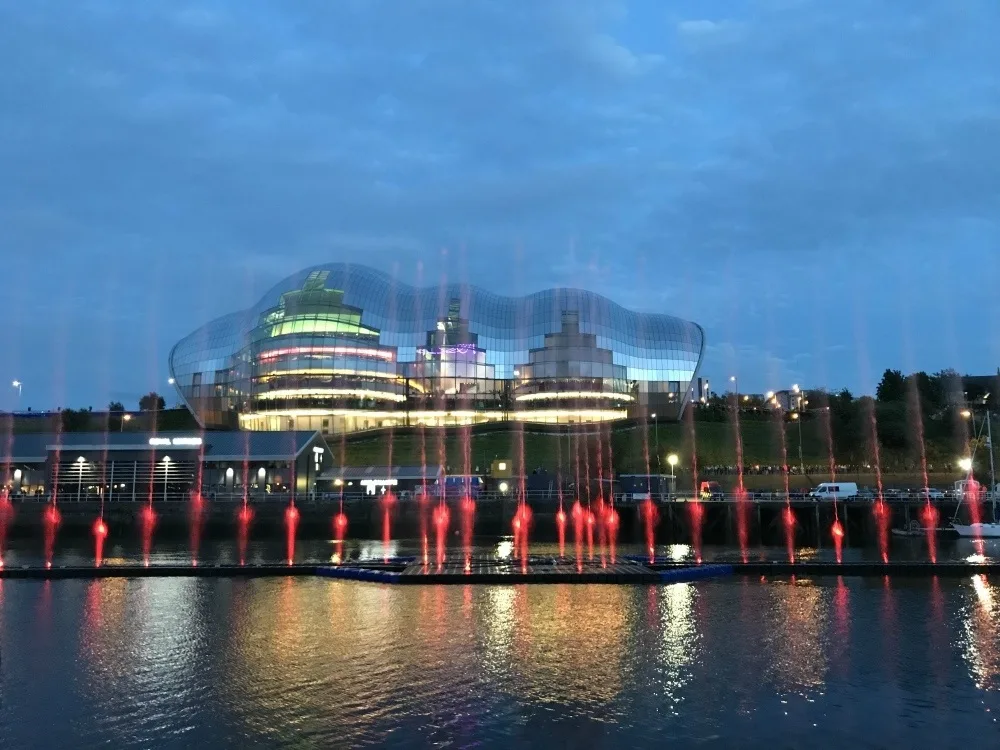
(815, 182)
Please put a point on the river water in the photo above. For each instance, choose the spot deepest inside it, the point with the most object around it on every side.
(742, 662)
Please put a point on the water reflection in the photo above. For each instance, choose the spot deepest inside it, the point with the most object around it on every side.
(981, 648)
(266, 662)
(681, 640)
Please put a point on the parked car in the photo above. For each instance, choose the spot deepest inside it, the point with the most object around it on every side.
(711, 491)
(835, 491)
(930, 493)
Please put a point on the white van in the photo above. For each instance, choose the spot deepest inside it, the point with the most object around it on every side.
(835, 491)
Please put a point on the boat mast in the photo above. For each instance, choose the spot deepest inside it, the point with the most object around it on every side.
(993, 479)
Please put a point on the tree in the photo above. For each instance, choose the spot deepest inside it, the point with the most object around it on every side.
(77, 420)
(152, 401)
(116, 407)
(892, 387)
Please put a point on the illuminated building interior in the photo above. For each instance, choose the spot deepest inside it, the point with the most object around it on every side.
(342, 348)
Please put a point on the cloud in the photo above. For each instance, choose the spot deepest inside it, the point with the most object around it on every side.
(738, 169)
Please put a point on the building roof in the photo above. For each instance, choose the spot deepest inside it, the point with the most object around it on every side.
(355, 473)
(218, 446)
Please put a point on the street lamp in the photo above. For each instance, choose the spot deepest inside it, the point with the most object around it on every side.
(125, 418)
(672, 460)
(166, 473)
(170, 381)
(965, 464)
(80, 461)
(656, 432)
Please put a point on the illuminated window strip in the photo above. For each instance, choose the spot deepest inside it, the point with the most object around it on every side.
(354, 351)
(590, 415)
(414, 385)
(551, 395)
(309, 392)
(595, 415)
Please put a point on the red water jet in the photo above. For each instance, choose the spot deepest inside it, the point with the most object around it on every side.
(6, 520)
(929, 517)
(521, 523)
(697, 514)
(788, 521)
(650, 517)
(244, 516)
(196, 520)
(339, 526)
(590, 521)
(742, 521)
(602, 528)
(440, 519)
(837, 531)
(883, 517)
(291, 524)
(51, 518)
(100, 530)
(467, 509)
(147, 522)
(561, 531)
(579, 519)
(388, 501)
(611, 522)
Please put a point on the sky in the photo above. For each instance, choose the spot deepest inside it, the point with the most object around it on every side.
(816, 183)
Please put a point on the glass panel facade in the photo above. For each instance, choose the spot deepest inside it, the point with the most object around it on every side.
(344, 348)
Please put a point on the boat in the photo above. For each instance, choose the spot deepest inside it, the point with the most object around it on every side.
(916, 529)
(970, 486)
(978, 530)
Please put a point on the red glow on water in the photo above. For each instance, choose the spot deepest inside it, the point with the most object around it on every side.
(196, 519)
(147, 522)
(339, 526)
(788, 521)
(837, 531)
(441, 518)
(51, 518)
(291, 524)
(929, 518)
(467, 510)
(100, 530)
(883, 519)
(650, 517)
(561, 530)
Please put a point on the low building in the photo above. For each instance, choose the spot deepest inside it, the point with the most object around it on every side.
(134, 466)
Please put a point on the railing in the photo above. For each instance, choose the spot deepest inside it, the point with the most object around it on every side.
(531, 496)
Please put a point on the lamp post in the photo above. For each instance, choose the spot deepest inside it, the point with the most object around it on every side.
(125, 418)
(798, 418)
(672, 460)
(18, 384)
(656, 432)
(79, 482)
(166, 473)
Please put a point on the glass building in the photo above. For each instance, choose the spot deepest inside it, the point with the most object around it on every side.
(340, 348)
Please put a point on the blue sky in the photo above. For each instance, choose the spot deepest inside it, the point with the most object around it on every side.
(817, 183)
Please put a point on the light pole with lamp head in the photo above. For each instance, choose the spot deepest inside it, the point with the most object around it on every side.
(656, 432)
(672, 460)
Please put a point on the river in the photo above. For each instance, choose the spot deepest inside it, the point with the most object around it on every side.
(743, 662)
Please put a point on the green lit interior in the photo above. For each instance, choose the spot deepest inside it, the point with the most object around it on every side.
(347, 323)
